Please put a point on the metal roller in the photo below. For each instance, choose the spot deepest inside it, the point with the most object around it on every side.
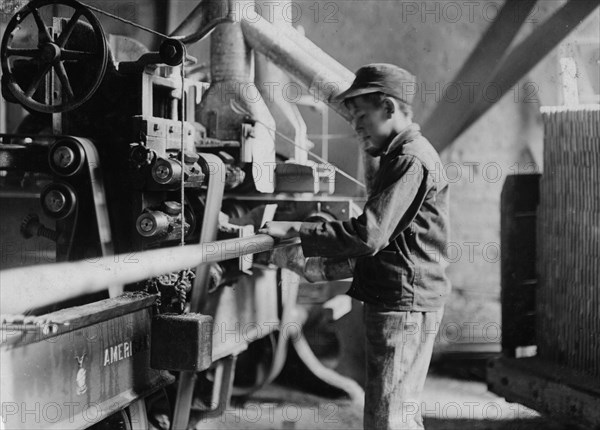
(167, 172)
(66, 157)
(58, 200)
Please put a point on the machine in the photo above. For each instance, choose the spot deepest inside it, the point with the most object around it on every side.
(145, 187)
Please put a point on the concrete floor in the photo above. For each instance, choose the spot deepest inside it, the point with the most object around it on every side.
(450, 403)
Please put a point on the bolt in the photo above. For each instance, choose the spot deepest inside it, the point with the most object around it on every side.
(162, 172)
(63, 157)
(49, 53)
(49, 328)
(146, 224)
(31, 226)
(169, 51)
(55, 201)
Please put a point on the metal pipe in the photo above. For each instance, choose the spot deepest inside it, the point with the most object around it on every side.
(27, 288)
(273, 42)
(286, 114)
(232, 69)
(317, 53)
(330, 376)
(202, 20)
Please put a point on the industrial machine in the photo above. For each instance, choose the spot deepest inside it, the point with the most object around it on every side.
(150, 185)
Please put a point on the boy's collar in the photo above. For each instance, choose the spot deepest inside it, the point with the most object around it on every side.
(409, 133)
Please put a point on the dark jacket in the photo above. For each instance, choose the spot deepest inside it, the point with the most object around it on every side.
(401, 238)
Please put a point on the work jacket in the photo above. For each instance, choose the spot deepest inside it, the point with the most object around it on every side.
(399, 242)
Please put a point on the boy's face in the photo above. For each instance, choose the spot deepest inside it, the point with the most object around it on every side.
(372, 124)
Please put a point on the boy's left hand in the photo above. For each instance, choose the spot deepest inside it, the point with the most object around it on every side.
(281, 229)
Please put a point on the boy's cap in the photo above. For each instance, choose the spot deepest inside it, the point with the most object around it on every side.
(382, 78)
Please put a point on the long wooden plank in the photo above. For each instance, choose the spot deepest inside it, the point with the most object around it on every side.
(559, 392)
(24, 289)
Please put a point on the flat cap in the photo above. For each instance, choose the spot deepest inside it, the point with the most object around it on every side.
(383, 78)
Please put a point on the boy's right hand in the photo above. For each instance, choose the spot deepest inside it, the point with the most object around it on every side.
(289, 257)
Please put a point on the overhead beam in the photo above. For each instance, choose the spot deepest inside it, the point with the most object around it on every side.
(447, 119)
(530, 52)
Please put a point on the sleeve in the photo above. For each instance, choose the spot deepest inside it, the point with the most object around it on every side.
(386, 214)
(319, 269)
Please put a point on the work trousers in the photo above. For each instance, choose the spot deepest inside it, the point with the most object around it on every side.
(399, 345)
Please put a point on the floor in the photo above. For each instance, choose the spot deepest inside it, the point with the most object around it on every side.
(453, 400)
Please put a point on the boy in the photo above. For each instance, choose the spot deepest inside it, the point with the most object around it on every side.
(395, 250)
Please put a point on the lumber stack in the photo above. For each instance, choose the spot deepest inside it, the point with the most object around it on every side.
(568, 239)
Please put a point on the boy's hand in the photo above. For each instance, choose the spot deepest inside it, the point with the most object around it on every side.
(281, 229)
(289, 257)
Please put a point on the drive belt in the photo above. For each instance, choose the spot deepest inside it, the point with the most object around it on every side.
(215, 172)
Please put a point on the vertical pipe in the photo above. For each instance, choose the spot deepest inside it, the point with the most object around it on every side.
(325, 134)
(274, 85)
(232, 81)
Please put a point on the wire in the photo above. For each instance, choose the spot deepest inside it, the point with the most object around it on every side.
(235, 106)
(126, 21)
(322, 160)
(182, 113)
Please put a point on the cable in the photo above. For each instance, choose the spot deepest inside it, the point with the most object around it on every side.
(240, 110)
(126, 21)
(182, 113)
(322, 160)
(185, 39)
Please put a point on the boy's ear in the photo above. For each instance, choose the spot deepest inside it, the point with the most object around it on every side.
(389, 107)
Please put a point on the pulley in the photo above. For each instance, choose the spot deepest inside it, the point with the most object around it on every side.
(38, 76)
(58, 200)
(66, 157)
